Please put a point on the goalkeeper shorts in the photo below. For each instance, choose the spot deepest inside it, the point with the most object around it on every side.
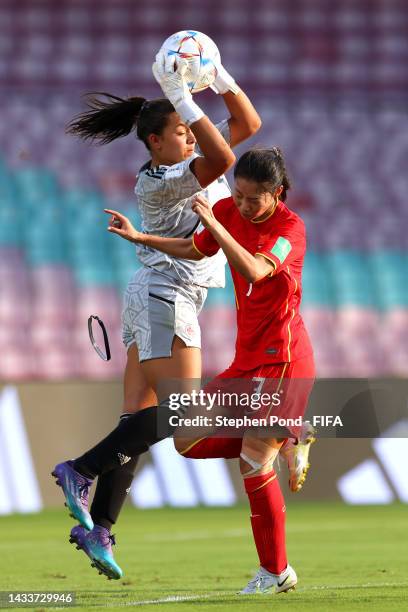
(158, 307)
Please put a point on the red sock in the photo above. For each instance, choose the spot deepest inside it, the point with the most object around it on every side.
(211, 448)
(268, 520)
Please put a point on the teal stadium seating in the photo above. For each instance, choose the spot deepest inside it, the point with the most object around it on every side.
(351, 278)
(59, 229)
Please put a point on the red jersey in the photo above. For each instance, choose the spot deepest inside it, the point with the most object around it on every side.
(270, 328)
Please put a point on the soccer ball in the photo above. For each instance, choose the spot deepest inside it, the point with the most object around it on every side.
(201, 54)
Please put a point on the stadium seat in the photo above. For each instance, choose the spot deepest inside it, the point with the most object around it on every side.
(89, 364)
(56, 363)
(351, 278)
(329, 360)
(15, 305)
(52, 279)
(14, 333)
(320, 321)
(218, 329)
(389, 271)
(17, 362)
(316, 285)
(94, 275)
(35, 185)
(10, 210)
(102, 301)
(53, 307)
(340, 157)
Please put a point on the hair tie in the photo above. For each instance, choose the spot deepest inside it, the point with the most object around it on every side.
(144, 106)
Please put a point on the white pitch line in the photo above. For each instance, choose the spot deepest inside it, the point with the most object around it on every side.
(179, 598)
(149, 602)
(332, 587)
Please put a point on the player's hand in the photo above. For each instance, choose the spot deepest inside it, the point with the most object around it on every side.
(122, 226)
(171, 79)
(224, 82)
(173, 82)
(202, 208)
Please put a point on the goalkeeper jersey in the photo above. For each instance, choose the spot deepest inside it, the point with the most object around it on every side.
(164, 197)
(270, 328)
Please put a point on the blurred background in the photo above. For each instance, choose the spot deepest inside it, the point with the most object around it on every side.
(330, 81)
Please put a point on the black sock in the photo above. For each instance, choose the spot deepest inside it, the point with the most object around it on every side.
(132, 437)
(111, 491)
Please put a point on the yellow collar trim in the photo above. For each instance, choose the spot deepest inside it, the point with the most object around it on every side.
(268, 217)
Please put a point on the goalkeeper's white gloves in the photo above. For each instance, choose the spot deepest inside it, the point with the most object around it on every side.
(223, 81)
(175, 88)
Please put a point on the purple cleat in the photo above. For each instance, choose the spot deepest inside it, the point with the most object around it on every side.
(76, 490)
(97, 544)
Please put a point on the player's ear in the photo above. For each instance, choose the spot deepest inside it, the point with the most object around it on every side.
(278, 191)
(154, 142)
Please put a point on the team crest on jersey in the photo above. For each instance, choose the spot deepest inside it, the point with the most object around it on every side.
(189, 329)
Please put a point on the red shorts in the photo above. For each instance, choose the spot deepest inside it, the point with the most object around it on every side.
(301, 368)
(277, 392)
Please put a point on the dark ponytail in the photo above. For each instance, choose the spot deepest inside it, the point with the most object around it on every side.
(264, 166)
(116, 117)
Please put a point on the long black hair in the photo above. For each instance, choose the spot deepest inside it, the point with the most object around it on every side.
(264, 166)
(114, 117)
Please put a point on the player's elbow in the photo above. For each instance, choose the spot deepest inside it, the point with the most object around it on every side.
(227, 161)
(224, 161)
(253, 124)
(251, 276)
(193, 253)
(196, 256)
(258, 273)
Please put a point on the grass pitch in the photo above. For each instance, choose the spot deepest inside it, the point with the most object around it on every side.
(347, 558)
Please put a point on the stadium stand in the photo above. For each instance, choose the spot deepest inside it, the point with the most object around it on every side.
(332, 95)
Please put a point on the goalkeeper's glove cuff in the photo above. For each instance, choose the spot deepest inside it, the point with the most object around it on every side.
(224, 82)
(189, 111)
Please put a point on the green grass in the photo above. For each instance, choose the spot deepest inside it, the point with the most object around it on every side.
(347, 558)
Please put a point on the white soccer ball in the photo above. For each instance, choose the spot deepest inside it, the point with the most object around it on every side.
(201, 54)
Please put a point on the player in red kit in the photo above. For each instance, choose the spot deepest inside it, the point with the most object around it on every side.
(265, 244)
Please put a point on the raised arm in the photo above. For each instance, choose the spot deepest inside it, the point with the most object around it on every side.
(177, 247)
(217, 155)
(252, 267)
(243, 123)
(244, 120)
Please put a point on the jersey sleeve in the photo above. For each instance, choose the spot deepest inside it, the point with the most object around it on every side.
(285, 246)
(205, 243)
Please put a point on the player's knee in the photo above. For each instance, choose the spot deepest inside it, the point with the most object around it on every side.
(249, 466)
(138, 397)
(132, 404)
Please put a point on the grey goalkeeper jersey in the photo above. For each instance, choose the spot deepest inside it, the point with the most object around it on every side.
(164, 197)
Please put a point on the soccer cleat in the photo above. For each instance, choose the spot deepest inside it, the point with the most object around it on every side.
(97, 544)
(296, 453)
(76, 490)
(265, 582)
